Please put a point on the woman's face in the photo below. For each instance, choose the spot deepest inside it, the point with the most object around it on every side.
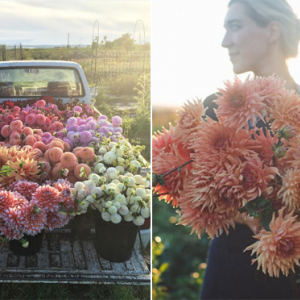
(247, 43)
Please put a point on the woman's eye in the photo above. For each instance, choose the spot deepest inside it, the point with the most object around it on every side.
(235, 27)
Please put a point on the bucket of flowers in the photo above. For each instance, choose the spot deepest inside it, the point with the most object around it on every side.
(119, 196)
(243, 167)
(45, 149)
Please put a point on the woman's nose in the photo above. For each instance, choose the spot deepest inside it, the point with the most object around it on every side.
(226, 42)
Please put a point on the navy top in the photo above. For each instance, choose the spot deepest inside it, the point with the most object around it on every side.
(229, 273)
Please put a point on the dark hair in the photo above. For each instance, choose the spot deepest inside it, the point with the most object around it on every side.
(265, 11)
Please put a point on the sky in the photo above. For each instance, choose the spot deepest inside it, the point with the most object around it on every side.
(188, 61)
(36, 22)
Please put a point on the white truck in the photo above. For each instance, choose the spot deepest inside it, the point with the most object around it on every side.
(22, 80)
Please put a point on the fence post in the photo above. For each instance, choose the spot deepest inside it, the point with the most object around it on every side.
(21, 56)
(3, 53)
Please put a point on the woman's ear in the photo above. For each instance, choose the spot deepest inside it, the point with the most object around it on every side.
(274, 31)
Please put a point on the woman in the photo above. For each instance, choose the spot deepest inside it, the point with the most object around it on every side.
(260, 36)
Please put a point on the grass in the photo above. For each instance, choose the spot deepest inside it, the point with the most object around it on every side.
(72, 291)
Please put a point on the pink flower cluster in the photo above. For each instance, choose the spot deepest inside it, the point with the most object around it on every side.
(27, 208)
(242, 166)
(63, 138)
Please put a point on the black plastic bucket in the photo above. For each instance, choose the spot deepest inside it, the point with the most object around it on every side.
(35, 244)
(114, 242)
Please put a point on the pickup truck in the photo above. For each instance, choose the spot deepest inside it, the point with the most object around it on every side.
(21, 80)
(63, 257)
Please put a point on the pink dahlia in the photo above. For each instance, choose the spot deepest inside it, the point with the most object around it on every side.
(216, 145)
(285, 111)
(238, 103)
(40, 103)
(15, 215)
(269, 88)
(77, 109)
(25, 188)
(30, 119)
(278, 249)
(190, 120)
(6, 200)
(35, 219)
(290, 189)
(200, 219)
(47, 197)
(55, 219)
(40, 119)
(167, 154)
(11, 232)
(16, 125)
(6, 131)
(255, 180)
(266, 141)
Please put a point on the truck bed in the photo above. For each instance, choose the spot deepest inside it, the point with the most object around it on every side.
(67, 259)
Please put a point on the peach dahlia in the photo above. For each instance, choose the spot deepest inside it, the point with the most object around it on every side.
(278, 250)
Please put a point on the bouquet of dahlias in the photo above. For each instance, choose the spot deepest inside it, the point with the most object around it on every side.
(115, 187)
(245, 166)
(45, 149)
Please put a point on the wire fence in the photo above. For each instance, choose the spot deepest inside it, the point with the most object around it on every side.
(113, 64)
(98, 66)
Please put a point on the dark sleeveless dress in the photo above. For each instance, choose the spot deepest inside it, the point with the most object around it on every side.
(229, 273)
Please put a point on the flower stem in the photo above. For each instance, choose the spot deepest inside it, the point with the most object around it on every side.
(178, 168)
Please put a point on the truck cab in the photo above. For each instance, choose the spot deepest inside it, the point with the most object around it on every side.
(22, 80)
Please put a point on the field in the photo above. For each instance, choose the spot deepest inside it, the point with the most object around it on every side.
(123, 79)
(178, 257)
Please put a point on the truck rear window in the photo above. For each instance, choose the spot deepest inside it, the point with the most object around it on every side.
(40, 81)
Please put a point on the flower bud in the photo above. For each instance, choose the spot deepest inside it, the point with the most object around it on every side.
(287, 132)
(279, 152)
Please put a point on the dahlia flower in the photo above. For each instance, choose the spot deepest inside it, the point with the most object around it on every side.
(239, 103)
(290, 189)
(199, 219)
(6, 200)
(190, 119)
(168, 154)
(285, 111)
(47, 197)
(291, 159)
(55, 219)
(23, 187)
(34, 219)
(216, 145)
(269, 88)
(278, 250)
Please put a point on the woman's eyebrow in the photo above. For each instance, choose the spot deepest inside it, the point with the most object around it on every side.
(229, 22)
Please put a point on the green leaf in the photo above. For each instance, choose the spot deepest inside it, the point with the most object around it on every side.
(266, 217)
(6, 170)
(260, 208)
